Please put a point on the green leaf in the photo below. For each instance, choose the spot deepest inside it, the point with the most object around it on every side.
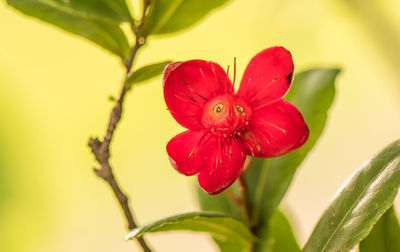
(226, 246)
(385, 235)
(360, 203)
(106, 34)
(147, 72)
(220, 202)
(277, 236)
(168, 16)
(120, 7)
(106, 10)
(219, 225)
(312, 93)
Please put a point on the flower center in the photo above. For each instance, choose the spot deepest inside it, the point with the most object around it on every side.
(226, 115)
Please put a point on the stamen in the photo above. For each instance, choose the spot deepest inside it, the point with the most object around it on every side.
(264, 105)
(258, 146)
(193, 91)
(265, 87)
(264, 138)
(239, 109)
(234, 71)
(202, 74)
(193, 101)
(191, 98)
(218, 109)
(196, 147)
(230, 151)
(213, 70)
(275, 126)
(251, 150)
(219, 152)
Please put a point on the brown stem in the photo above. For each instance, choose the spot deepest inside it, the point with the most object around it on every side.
(244, 191)
(243, 188)
(228, 192)
(101, 149)
(243, 202)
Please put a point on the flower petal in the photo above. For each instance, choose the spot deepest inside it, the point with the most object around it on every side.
(188, 151)
(267, 77)
(224, 166)
(189, 85)
(275, 130)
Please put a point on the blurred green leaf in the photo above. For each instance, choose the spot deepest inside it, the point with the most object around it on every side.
(384, 236)
(360, 203)
(166, 16)
(220, 202)
(147, 72)
(120, 7)
(106, 34)
(277, 236)
(224, 204)
(107, 10)
(312, 93)
(228, 246)
(219, 225)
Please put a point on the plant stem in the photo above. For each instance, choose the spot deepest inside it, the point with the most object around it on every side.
(244, 191)
(245, 200)
(101, 149)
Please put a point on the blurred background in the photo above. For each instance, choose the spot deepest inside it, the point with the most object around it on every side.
(54, 90)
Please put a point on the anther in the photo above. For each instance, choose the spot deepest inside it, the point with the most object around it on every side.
(218, 108)
(239, 109)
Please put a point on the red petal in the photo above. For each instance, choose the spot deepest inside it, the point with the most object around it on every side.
(189, 85)
(275, 130)
(224, 166)
(302, 140)
(267, 77)
(189, 151)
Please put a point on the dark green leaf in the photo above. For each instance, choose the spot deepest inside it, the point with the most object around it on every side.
(168, 16)
(385, 235)
(219, 225)
(147, 72)
(106, 34)
(312, 93)
(277, 236)
(360, 203)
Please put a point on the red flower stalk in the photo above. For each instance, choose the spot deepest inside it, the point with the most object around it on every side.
(224, 126)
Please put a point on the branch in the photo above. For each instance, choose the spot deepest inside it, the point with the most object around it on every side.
(244, 191)
(101, 149)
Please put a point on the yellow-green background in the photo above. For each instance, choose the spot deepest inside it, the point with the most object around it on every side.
(54, 91)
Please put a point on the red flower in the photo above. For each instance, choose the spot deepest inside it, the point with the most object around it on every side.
(224, 126)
